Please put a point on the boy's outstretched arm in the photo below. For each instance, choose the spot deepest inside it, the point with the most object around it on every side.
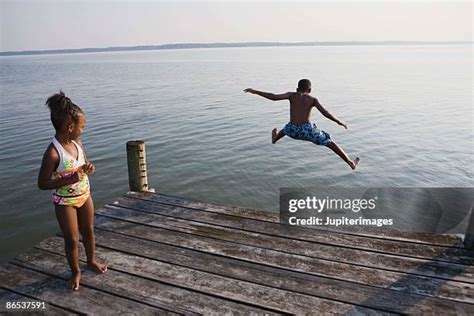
(327, 114)
(270, 96)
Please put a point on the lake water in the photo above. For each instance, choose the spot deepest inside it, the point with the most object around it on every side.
(409, 111)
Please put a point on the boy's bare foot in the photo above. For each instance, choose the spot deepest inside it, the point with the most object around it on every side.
(354, 163)
(97, 267)
(274, 135)
(74, 282)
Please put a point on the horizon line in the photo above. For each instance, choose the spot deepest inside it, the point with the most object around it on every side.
(221, 45)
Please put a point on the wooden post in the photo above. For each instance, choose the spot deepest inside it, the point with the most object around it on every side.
(469, 236)
(137, 171)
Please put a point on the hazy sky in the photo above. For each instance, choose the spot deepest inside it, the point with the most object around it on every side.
(43, 24)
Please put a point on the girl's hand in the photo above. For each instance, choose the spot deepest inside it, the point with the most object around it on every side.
(342, 123)
(76, 177)
(88, 168)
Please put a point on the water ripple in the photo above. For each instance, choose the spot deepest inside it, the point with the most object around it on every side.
(206, 139)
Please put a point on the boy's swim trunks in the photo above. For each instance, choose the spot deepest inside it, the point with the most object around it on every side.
(307, 132)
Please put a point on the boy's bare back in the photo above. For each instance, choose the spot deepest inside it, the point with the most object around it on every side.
(301, 105)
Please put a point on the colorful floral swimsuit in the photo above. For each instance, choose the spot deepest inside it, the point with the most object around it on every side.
(307, 132)
(75, 194)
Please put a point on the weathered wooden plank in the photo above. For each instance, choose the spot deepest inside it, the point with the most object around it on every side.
(435, 253)
(382, 279)
(8, 296)
(392, 234)
(462, 273)
(182, 301)
(346, 292)
(202, 205)
(347, 255)
(140, 258)
(321, 267)
(53, 290)
(308, 284)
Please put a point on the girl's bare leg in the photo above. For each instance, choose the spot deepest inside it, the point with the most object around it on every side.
(85, 217)
(67, 219)
(338, 150)
(277, 135)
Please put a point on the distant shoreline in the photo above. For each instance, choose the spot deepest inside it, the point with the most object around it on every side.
(222, 45)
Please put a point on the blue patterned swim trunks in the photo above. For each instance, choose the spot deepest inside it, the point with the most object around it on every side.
(307, 132)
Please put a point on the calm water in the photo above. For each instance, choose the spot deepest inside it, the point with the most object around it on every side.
(409, 111)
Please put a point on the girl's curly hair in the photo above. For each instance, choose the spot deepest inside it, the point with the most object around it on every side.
(62, 108)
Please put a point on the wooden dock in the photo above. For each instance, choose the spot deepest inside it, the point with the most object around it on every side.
(170, 255)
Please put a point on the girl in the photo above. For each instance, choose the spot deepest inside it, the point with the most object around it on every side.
(64, 168)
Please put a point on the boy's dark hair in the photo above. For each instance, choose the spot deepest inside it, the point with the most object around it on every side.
(62, 108)
(304, 85)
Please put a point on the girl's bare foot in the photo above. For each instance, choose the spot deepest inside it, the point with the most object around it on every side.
(74, 281)
(274, 135)
(354, 163)
(97, 267)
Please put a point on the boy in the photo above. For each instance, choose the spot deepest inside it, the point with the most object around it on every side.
(299, 127)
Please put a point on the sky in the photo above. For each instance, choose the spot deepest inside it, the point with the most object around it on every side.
(66, 24)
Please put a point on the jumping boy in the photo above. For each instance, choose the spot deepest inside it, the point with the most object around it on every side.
(299, 127)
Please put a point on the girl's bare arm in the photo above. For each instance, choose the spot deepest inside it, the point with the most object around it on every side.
(48, 166)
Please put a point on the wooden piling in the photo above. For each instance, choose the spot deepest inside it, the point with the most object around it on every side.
(469, 236)
(137, 169)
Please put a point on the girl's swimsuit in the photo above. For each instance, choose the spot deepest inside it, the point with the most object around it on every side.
(75, 194)
(307, 132)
